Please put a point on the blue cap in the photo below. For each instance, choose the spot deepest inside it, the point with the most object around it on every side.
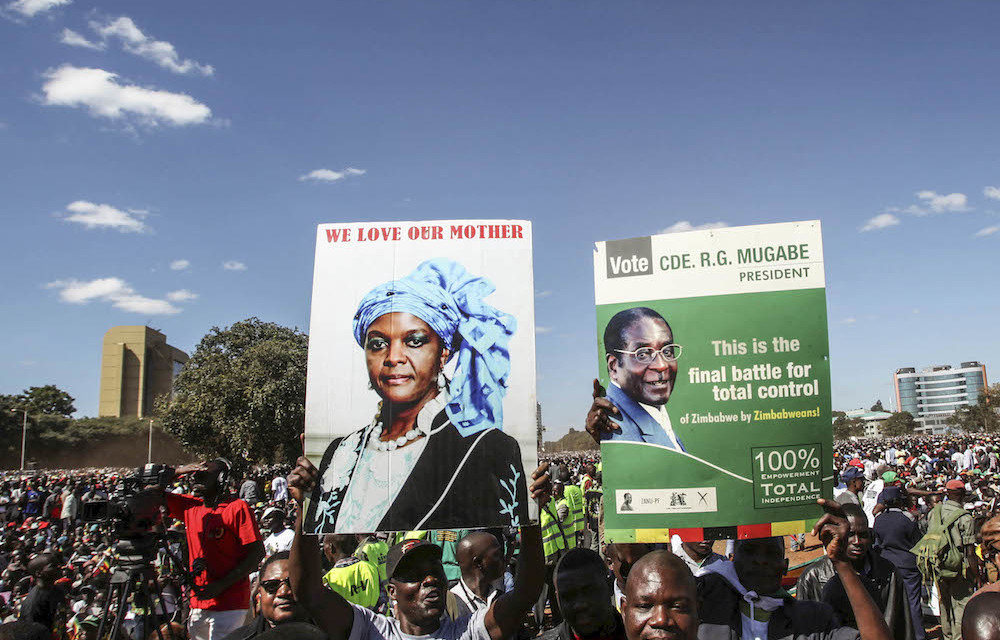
(890, 494)
(851, 474)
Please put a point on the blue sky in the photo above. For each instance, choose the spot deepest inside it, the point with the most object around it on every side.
(145, 147)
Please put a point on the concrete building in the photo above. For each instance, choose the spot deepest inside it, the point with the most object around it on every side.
(872, 421)
(137, 367)
(935, 393)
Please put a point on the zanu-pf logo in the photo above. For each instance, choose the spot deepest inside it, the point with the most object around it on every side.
(632, 257)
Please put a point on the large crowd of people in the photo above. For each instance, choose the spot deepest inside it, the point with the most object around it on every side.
(910, 542)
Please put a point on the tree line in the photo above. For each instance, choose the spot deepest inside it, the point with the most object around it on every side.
(242, 395)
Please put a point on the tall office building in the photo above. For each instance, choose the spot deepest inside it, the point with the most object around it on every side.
(538, 425)
(934, 394)
(137, 367)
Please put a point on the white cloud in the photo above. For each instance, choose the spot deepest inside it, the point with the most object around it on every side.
(685, 225)
(993, 193)
(234, 265)
(940, 203)
(182, 295)
(912, 209)
(95, 216)
(113, 290)
(987, 231)
(31, 8)
(100, 93)
(541, 329)
(881, 221)
(329, 175)
(848, 321)
(180, 265)
(74, 39)
(543, 294)
(158, 51)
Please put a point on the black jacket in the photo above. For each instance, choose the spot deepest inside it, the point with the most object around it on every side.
(811, 582)
(719, 610)
(563, 632)
(884, 585)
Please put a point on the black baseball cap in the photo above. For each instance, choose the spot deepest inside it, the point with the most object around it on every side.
(408, 549)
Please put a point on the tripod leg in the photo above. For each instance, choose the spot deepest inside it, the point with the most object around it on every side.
(126, 587)
(106, 609)
(159, 620)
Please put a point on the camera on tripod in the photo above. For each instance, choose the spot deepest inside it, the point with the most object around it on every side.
(133, 512)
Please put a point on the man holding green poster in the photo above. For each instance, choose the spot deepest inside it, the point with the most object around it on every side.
(642, 364)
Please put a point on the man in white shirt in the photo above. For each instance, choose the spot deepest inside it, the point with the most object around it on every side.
(71, 507)
(870, 498)
(417, 583)
(642, 365)
(696, 555)
(281, 537)
(279, 489)
(481, 560)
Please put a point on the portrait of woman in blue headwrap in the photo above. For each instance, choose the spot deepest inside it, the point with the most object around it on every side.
(435, 455)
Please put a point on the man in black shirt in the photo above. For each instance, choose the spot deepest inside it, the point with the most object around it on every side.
(583, 589)
(45, 603)
(878, 576)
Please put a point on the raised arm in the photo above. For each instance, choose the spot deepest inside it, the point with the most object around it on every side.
(832, 529)
(504, 617)
(331, 612)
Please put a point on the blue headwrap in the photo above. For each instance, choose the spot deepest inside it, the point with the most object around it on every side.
(450, 299)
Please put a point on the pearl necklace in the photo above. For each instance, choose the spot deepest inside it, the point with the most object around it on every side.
(378, 445)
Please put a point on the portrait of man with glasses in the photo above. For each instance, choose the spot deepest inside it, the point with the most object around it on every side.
(641, 358)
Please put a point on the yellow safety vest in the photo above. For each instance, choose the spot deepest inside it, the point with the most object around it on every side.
(569, 535)
(356, 580)
(553, 539)
(374, 551)
(577, 509)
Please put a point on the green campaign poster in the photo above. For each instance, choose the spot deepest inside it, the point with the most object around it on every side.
(713, 346)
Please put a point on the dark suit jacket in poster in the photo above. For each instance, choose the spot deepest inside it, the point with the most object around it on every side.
(636, 423)
(458, 482)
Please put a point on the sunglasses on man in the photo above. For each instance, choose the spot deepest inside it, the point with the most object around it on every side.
(272, 586)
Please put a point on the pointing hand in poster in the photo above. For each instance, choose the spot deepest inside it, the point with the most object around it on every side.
(599, 419)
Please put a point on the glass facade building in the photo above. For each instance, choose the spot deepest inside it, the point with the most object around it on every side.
(935, 393)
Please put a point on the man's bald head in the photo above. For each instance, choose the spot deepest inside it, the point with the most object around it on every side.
(479, 555)
(660, 599)
(475, 543)
(662, 565)
(982, 617)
